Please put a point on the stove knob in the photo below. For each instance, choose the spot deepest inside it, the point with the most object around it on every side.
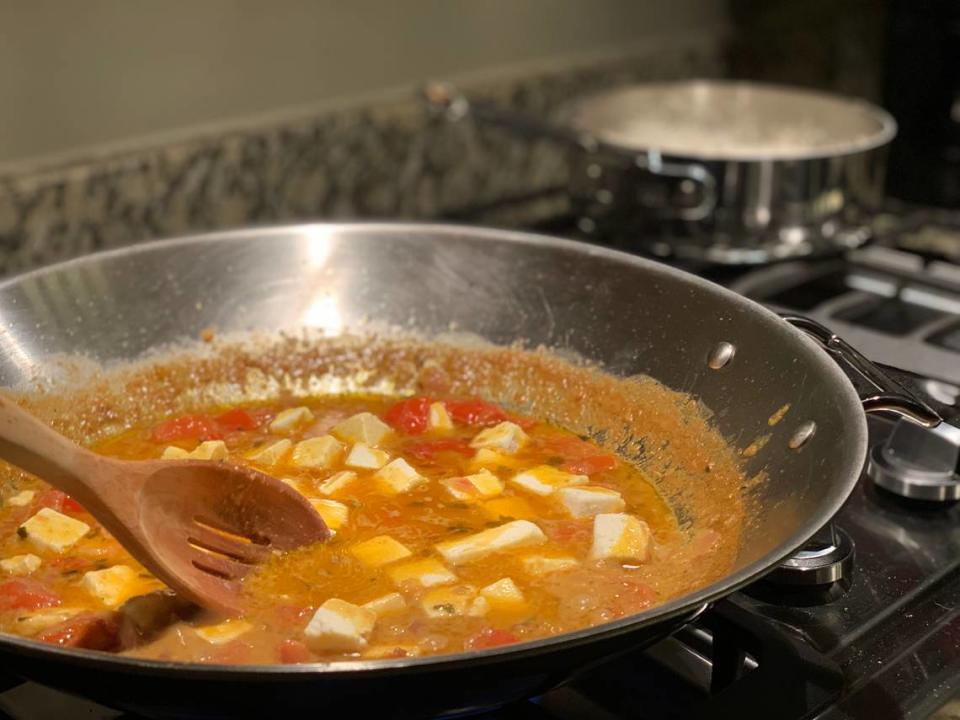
(918, 463)
(826, 559)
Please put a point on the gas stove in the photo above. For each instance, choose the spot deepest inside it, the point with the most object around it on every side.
(865, 622)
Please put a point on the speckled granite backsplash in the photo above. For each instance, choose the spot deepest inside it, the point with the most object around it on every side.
(381, 160)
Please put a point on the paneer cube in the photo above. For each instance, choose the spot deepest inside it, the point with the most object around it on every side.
(20, 564)
(222, 633)
(338, 625)
(272, 453)
(363, 427)
(509, 536)
(545, 565)
(544, 480)
(334, 514)
(582, 502)
(21, 499)
(397, 476)
(426, 573)
(364, 457)
(504, 596)
(378, 551)
(387, 604)
(619, 536)
(289, 419)
(448, 602)
(509, 508)
(115, 585)
(337, 482)
(470, 488)
(318, 452)
(36, 621)
(507, 438)
(438, 418)
(50, 530)
(208, 450)
(487, 458)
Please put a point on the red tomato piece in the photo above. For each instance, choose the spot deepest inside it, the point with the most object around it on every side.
(188, 427)
(292, 652)
(409, 416)
(90, 631)
(476, 412)
(590, 465)
(237, 419)
(491, 638)
(426, 451)
(26, 595)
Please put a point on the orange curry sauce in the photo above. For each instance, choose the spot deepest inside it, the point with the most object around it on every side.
(457, 526)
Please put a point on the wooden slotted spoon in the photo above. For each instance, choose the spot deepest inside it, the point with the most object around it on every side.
(198, 526)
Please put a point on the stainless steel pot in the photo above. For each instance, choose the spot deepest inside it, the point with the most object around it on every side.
(723, 172)
(632, 315)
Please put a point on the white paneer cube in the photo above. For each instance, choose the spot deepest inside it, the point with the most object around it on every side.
(287, 420)
(544, 480)
(379, 550)
(210, 450)
(438, 418)
(387, 604)
(504, 596)
(222, 633)
(448, 602)
(364, 457)
(318, 452)
(271, 454)
(21, 564)
(426, 573)
(363, 427)
(36, 621)
(538, 565)
(113, 586)
(335, 514)
(397, 476)
(174, 453)
(339, 625)
(619, 536)
(509, 536)
(337, 482)
(480, 486)
(21, 499)
(582, 502)
(487, 458)
(50, 530)
(507, 437)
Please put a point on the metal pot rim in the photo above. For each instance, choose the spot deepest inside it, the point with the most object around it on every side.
(691, 604)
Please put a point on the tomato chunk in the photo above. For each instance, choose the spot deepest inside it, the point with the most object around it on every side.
(59, 501)
(188, 427)
(90, 631)
(292, 652)
(590, 465)
(476, 412)
(491, 638)
(237, 419)
(409, 416)
(26, 594)
(426, 451)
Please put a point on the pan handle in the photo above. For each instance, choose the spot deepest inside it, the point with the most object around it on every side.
(885, 389)
(447, 101)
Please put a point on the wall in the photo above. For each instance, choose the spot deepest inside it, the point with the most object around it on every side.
(77, 74)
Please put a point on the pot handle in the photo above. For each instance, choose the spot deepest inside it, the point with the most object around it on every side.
(447, 101)
(883, 388)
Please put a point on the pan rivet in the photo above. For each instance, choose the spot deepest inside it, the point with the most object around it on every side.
(721, 355)
(802, 435)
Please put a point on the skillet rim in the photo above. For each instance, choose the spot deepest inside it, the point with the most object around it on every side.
(692, 604)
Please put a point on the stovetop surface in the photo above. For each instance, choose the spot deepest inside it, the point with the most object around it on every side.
(884, 643)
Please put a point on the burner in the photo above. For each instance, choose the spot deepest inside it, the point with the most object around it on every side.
(826, 559)
(918, 463)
